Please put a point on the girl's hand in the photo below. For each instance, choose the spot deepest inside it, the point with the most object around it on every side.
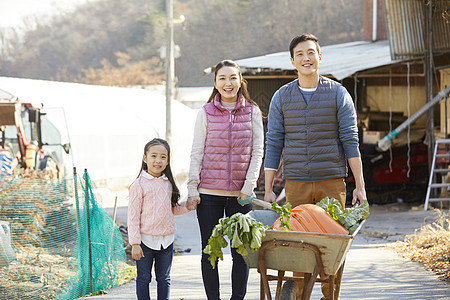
(136, 252)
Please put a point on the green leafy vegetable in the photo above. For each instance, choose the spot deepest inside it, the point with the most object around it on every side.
(285, 214)
(350, 218)
(242, 230)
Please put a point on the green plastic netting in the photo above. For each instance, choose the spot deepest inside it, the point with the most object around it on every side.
(44, 242)
(107, 255)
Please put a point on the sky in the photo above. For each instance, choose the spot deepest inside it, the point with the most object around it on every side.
(12, 12)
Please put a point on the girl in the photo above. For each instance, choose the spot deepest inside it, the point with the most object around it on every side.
(225, 160)
(151, 223)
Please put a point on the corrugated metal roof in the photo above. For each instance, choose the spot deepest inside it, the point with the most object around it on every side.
(339, 61)
(405, 20)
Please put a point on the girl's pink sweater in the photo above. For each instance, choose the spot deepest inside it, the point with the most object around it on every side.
(150, 210)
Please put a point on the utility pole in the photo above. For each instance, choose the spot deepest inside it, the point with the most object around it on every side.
(169, 69)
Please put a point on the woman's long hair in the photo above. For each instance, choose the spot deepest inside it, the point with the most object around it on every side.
(242, 90)
(167, 171)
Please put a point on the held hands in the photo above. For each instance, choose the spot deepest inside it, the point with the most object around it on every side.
(192, 202)
(136, 252)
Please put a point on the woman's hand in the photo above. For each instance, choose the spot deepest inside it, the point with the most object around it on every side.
(136, 252)
(243, 196)
(244, 199)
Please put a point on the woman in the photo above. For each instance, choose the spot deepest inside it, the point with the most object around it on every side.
(225, 161)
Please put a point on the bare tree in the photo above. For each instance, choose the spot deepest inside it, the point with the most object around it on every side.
(129, 73)
(74, 44)
(236, 29)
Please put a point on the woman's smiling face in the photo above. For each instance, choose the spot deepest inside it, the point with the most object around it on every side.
(228, 83)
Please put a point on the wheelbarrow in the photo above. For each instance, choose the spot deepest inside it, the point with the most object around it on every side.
(319, 256)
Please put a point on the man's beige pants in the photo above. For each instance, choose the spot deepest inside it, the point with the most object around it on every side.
(311, 193)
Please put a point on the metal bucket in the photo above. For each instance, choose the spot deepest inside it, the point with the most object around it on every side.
(267, 217)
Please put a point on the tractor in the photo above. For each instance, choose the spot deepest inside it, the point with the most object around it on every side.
(23, 130)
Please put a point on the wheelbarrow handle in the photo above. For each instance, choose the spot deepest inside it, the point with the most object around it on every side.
(262, 203)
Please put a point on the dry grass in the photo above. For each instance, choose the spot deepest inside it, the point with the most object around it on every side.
(36, 274)
(430, 246)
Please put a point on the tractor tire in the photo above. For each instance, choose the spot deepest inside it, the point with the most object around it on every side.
(289, 290)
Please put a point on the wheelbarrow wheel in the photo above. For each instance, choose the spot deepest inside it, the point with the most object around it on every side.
(289, 290)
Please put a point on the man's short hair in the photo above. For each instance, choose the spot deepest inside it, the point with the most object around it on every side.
(301, 38)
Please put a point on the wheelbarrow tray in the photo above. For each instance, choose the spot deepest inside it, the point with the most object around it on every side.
(333, 248)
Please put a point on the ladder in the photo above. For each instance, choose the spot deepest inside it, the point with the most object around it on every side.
(432, 182)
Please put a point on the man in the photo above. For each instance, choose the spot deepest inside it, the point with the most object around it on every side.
(312, 124)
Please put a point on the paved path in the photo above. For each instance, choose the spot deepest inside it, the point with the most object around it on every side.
(372, 271)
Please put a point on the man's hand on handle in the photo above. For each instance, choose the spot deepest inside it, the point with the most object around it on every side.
(269, 195)
(359, 195)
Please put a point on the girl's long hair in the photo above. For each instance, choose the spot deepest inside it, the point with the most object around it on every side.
(167, 171)
(242, 90)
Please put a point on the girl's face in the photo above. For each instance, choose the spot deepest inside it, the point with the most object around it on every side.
(228, 82)
(157, 159)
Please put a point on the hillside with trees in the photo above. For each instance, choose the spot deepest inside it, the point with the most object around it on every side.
(118, 42)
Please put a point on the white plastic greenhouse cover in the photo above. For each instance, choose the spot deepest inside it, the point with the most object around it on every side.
(108, 126)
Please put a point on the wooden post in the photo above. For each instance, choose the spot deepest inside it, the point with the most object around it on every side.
(114, 220)
(77, 203)
(86, 198)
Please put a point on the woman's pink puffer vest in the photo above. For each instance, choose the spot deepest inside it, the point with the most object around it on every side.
(228, 145)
